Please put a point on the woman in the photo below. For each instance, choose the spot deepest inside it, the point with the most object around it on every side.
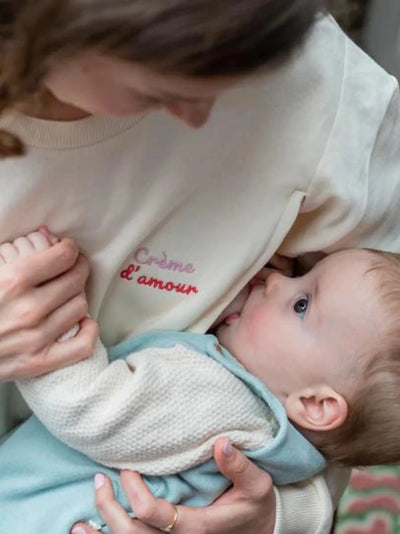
(175, 223)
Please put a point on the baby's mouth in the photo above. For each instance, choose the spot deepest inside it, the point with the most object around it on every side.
(231, 318)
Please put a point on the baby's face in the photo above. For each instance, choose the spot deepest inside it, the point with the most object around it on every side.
(294, 333)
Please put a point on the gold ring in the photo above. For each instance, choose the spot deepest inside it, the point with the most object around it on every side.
(169, 527)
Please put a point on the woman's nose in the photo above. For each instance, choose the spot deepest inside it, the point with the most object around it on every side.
(193, 114)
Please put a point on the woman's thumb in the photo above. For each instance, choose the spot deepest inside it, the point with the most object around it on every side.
(243, 473)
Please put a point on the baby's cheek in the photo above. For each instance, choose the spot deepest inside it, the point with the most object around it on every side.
(258, 325)
(258, 317)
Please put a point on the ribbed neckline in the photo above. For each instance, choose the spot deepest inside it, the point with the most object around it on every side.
(65, 134)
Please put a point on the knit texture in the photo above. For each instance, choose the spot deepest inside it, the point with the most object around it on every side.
(159, 412)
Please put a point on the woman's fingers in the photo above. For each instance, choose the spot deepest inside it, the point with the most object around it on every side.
(154, 512)
(38, 338)
(109, 509)
(29, 310)
(53, 356)
(57, 292)
(52, 262)
(78, 348)
(248, 480)
(248, 507)
(65, 317)
(37, 269)
(42, 283)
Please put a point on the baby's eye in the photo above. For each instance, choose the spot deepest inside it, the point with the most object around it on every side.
(301, 305)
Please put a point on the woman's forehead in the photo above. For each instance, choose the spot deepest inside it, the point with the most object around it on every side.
(145, 78)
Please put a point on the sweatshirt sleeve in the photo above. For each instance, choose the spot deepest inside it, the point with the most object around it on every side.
(308, 507)
(354, 196)
(102, 409)
(133, 413)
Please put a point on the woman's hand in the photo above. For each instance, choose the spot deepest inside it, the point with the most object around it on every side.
(248, 507)
(41, 297)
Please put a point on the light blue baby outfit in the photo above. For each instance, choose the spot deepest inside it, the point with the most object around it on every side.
(45, 486)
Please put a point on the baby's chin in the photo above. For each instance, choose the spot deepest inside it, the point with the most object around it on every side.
(224, 331)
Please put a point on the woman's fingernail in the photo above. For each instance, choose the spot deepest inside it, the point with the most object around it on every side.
(99, 482)
(78, 530)
(228, 449)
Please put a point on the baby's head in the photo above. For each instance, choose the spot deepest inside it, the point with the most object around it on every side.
(327, 344)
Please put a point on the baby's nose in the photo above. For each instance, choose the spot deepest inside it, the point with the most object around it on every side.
(273, 281)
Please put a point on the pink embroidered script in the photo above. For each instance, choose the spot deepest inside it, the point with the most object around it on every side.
(143, 257)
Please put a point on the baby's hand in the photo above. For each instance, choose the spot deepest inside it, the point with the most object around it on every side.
(23, 247)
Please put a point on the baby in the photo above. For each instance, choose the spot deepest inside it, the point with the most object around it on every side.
(321, 350)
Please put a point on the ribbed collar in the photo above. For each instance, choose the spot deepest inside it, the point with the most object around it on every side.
(65, 134)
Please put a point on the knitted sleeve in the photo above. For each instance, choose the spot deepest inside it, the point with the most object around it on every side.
(157, 412)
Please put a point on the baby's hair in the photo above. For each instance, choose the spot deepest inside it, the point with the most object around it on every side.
(201, 38)
(371, 432)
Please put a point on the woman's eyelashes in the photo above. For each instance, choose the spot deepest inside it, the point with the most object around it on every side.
(301, 305)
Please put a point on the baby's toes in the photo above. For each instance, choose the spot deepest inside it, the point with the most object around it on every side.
(8, 252)
(24, 247)
(40, 240)
(52, 239)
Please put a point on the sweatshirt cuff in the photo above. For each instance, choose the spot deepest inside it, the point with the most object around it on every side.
(301, 509)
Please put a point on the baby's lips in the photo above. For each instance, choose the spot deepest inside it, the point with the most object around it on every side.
(232, 317)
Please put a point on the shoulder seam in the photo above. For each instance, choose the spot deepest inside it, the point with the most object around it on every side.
(339, 101)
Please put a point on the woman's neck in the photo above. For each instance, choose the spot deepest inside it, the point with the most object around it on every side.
(48, 107)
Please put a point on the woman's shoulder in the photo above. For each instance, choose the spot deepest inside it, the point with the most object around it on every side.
(327, 65)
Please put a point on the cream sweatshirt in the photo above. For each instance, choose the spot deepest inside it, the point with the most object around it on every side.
(298, 159)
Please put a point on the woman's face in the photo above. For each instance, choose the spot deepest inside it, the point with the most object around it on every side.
(104, 85)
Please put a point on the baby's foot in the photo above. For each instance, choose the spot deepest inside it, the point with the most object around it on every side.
(25, 246)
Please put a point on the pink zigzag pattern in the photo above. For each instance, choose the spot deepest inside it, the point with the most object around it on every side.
(371, 504)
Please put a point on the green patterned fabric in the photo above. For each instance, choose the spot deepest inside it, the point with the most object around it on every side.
(371, 503)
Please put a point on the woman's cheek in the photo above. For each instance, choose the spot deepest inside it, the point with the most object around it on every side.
(117, 105)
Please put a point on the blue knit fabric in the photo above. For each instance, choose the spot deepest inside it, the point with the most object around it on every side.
(45, 486)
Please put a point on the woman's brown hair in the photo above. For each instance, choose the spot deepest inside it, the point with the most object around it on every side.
(202, 38)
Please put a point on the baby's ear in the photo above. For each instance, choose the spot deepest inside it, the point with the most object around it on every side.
(319, 408)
